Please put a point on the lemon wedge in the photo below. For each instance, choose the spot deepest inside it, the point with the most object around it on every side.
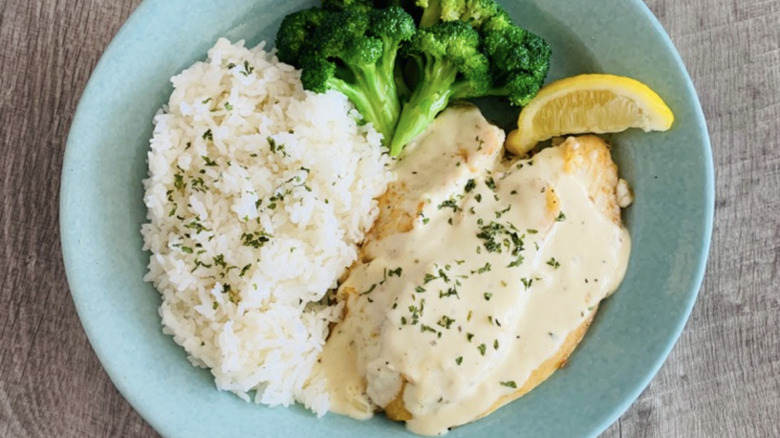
(591, 103)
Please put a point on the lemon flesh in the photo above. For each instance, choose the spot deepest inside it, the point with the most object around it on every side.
(591, 103)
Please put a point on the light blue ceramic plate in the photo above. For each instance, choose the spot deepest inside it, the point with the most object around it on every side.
(102, 212)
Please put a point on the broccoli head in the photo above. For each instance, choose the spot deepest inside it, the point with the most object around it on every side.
(294, 35)
(519, 60)
(352, 51)
(474, 12)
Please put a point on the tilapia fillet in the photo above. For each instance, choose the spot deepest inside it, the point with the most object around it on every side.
(478, 279)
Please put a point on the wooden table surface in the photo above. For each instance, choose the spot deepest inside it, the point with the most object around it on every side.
(721, 380)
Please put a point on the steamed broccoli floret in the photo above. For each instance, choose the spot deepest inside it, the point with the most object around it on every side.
(519, 60)
(294, 35)
(449, 64)
(504, 60)
(352, 51)
(474, 12)
(462, 49)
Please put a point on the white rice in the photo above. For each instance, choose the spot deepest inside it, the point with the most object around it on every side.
(238, 133)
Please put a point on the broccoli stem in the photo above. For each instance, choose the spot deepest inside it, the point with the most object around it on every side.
(465, 90)
(388, 65)
(375, 98)
(429, 99)
(431, 14)
(400, 83)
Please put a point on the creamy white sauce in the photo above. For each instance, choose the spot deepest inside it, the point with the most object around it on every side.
(504, 260)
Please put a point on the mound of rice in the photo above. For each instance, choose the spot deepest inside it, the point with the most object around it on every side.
(258, 194)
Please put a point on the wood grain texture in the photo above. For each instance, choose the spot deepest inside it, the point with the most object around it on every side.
(721, 380)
